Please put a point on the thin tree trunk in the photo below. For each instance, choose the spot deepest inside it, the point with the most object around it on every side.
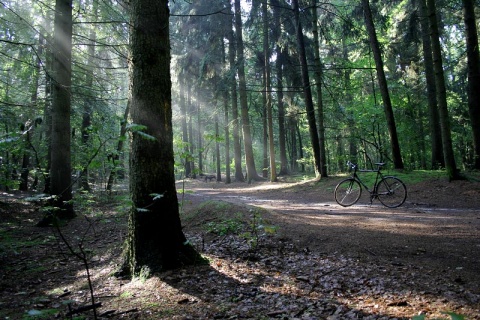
(199, 139)
(228, 178)
(352, 141)
(190, 130)
(237, 149)
(312, 126)
(120, 143)
(88, 103)
(263, 116)
(281, 115)
(226, 127)
(247, 136)
(268, 91)
(279, 74)
(441, 90)
(437, 160)
(473, 56)
(217, 150)
(183, 111)
(318, 85)
(382, 81)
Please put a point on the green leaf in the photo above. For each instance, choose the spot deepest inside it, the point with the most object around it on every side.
(133, 127)
(146, 136)
(455, 316)
(156, 196)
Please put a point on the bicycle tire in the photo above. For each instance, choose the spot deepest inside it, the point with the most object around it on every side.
(391, 192)
(347, 192)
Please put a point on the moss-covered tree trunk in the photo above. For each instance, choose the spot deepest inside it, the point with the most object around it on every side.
(155, 238)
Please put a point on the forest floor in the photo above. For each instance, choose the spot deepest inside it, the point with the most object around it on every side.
(276, 250)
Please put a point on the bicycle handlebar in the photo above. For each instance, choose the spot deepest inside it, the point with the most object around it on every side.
(353, 166)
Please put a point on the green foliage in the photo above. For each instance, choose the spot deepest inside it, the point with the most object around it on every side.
(225, 227)
(453, 316)
(257, 228)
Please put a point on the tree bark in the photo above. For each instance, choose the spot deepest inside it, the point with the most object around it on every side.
(382, 81)
(237, 149)
(118, 152)
(437, 160)
(61, 168)
(183, 110)
(247, 136)
(473, 63)
(88, 103)
(318, 85)
(217, 149)
(268, 94)
(281, 105)
(312, 126)
(441, 90)
(155, 239)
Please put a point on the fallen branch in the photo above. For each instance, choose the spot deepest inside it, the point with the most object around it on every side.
(83, 309)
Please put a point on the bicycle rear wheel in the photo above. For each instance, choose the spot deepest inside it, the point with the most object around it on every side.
(347, 192)
(391, 192)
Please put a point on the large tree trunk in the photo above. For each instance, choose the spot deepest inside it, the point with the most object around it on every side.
(312, 126)
(441, 90)
(382, 81)
(318, 86)
(247, 136)
(473, 56)
(437, 160)
(61, 169)
(155, 239)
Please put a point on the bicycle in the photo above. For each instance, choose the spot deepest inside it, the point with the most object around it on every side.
(390, 190)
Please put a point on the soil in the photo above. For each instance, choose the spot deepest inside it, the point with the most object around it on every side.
(276, 250)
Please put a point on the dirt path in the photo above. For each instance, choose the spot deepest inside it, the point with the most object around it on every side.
(328, 262)
(443, 240)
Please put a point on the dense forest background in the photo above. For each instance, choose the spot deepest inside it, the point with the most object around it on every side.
(260, 88)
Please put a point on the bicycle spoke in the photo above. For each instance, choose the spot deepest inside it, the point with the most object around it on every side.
(347, 192)
(391, 192)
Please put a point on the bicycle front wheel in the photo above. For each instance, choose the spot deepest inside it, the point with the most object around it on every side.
(391, 192)
(347, 192)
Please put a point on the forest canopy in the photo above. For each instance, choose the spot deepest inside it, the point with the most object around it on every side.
(240, 99)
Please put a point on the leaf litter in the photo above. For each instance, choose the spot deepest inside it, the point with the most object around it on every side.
(252, 274)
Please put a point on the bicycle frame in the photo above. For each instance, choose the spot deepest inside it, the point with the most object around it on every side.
(373, 193)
